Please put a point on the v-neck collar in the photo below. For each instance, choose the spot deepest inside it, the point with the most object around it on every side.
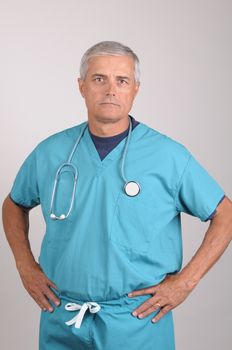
(115, 152)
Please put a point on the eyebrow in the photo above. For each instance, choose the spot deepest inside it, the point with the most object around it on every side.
(105, 76)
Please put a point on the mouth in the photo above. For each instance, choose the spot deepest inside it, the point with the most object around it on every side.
(109, 104)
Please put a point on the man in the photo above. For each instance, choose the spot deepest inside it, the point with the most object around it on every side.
(111, 191)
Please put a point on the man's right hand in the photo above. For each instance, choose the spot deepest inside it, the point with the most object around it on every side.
(16, 227)
(38, 286)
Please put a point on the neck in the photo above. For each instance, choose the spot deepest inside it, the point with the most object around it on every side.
(105, 127)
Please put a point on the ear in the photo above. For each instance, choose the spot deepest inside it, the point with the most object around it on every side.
(81, 84)
(137, 88)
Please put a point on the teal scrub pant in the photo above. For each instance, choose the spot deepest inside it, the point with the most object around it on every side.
(113, 327)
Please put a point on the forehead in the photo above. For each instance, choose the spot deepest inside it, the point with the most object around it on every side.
(118, 65)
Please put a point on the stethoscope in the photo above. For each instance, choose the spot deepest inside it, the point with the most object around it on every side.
(131, 188)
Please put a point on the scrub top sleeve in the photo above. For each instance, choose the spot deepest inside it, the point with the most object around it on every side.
(198, 193)
(25, 191)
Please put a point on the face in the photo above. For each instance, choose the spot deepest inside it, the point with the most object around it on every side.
(109, 87)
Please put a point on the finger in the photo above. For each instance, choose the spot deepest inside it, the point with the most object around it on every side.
(53, 285)
(149, 311)
(42, 301)
(148, 306)
(149, 290)
(144, 306)
(49, 282)
(39, 303)
(51, 296)
(163, 311)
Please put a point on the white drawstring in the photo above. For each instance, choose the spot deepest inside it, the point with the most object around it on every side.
(91, 305)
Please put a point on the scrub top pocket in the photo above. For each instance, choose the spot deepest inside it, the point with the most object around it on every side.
(133, 223)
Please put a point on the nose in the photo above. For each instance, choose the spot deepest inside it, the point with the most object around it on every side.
(111, 88)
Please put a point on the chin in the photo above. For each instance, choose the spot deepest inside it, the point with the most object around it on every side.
(108, 118)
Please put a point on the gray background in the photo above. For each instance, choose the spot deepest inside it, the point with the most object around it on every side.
(186, 54)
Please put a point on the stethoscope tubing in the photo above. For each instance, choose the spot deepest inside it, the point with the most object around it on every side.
(75, 172)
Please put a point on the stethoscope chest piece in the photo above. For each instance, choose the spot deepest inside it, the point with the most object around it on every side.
(132, 188)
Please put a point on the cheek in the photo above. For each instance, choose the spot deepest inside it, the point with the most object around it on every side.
(91, 98)
(94, 95)
(127, 100)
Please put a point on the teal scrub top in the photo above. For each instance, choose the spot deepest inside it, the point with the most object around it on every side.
(111, 243)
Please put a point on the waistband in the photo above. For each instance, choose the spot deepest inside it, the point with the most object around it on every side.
(81, 306)
(122, 300)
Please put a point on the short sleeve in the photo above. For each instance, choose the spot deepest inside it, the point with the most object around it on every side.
(198, 193)
(25, 189)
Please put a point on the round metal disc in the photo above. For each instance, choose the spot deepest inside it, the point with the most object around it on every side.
(132, 188)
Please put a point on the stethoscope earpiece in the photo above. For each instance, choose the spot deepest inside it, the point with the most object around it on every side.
(54, 217)
(131, 188)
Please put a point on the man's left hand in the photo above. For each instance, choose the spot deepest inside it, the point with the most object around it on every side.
(172, 291)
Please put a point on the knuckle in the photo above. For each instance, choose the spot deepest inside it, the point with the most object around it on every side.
(165, 310)
(170, 307)
(33, 294)
(44, 289)
(49, 293)
(30, 286)
(42, 299)
(46, 280)
(149, 303)
(51, 283)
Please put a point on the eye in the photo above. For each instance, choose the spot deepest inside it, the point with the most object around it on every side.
(98, 79)
(123, 82)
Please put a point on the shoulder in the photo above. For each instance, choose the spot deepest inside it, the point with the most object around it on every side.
(169, 148)
(59, 139)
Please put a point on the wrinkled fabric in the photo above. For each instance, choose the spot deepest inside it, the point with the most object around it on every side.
(111, 243)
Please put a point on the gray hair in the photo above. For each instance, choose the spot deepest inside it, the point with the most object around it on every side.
(111, 48)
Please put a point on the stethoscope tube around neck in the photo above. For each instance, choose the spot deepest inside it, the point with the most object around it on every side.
(131, 188)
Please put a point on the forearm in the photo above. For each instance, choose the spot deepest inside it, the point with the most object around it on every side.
(216, 240)
(16, 227)
(175, 288)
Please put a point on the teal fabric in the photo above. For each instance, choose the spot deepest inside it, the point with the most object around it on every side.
(112, 328)
(112, 244)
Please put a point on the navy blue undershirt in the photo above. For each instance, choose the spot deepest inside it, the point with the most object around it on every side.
(104, 145)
